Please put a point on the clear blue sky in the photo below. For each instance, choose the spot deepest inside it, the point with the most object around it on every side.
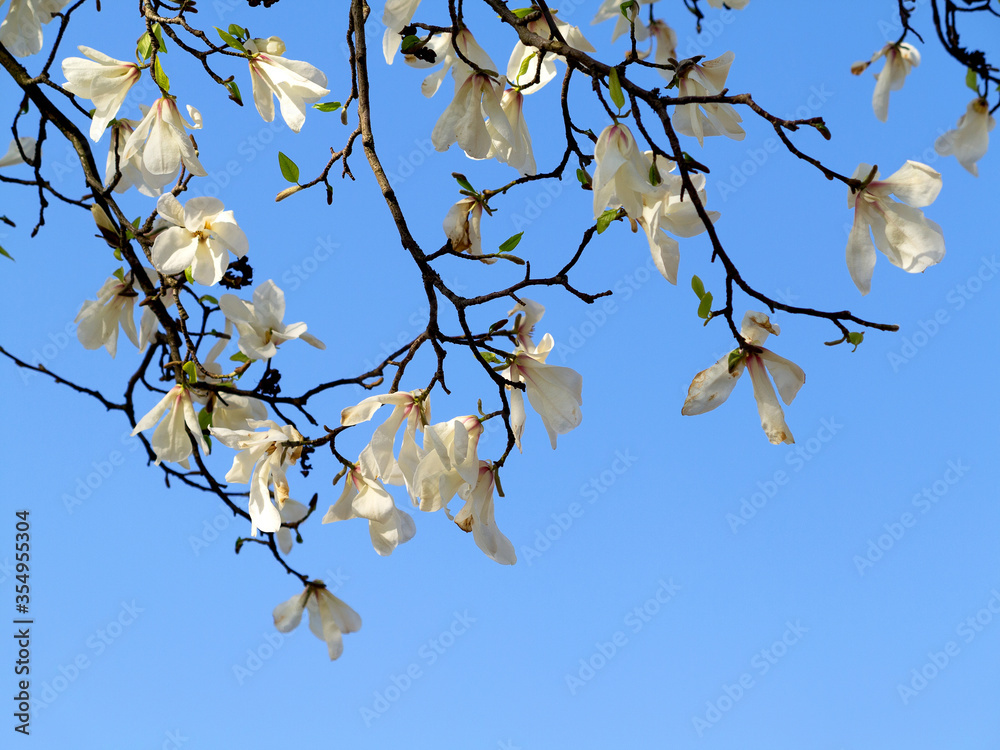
(681, 582)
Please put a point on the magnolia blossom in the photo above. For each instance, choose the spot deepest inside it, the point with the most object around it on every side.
(170, 441)
(102, 79)
(462, 121)
(21, 30)
(712, 386)
(529, 58)
(413, 408)
(462, 227)
(295, 83)
(133, 172)
(969, 141)
(262, 459)
(13, 155)
(364, 497)
(449, 461)
(899, 59)
(515, 151)
(329, 617)
(707, 78)
(670, 209)
(228, 410)
(199, 235)
(291, 512)
(477, 516)
(612, 9)
(164, 143)
(443, 56)
(666, 45)
(621, 177)
(397, 15)
(903, 234)
(98, 320)
(259, 322)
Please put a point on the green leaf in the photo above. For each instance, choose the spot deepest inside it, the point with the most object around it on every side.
(605, 219)
(625, 8)
(735, 357)
(159, 38)
(5, 254)
(410, 43)
(188, 276)
(231, 40)
(209, 298)
(510, 243)
(705, 308)
(160, 77)
(327, 106)
(204, 419)
(583, 177)
(144, 47)
(524, 66)
(522, 12)
(615, 89)
(289, 169)
(239, 544)
(823, 130)
(697, 286)
(234, 92)
(120, 275)
(855, 337)
(118, 254)
(489, 357)
(240, 357)
(654, 175)
(970, 80)
(460, 179)
(237, 31)
(190, 371)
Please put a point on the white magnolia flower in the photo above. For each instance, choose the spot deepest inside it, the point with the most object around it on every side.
(899, 59)
(903, 234)
(364, 497)
(612, 9)
(449, 461)
(463, 120)
(712, 386)
(707, 78)
(555, 393)
(102, 79)
(477, 516)
(621, 177)
(164, 143)
(574, 38)
(666, 45)
(98, 320)
(527, 313)
(969, 141)
(329, 617)
(262, 459)
(21, 30)
(462, 226)
(259, 322)
(291, 512)
(133, 172)
(515, 151)
(13, 155)
(670, 209)
(294, 82)
(413, 409)
(170, 441)
(199, 235)
(396, 16)
(444, 56)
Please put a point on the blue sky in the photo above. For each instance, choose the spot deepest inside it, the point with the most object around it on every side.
(680, 582)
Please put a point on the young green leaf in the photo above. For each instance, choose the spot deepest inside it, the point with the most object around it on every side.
(289, 169)
(144, 47)
(654, 175)
(410, 43)
(189, 370)
(204, 419)
(5, 254)
(209, 298)
(970, 80)
(583, 177)
(625, 8)
(524, 66)
(119, 274)
(460, 179)
(231, 40)
(522, 12)
(605, 219)
(855, 337)
(327, 106)
(234, 92)
(615, 89)
(705, 308)
(240, 357)
(160, 77)
(118, 254)
(510, 243)
(237, 31)
(697, 286)
(158, 32)
(735, 357)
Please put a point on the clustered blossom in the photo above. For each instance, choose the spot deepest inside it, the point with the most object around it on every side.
(712, 387)
(170, 441)
(969, 141)
(259, 322)
(621, 177)
(102, 79)
(294, 82)
(902, 233)
(162, 140)
(365, 497)
(707, 78)
(261, 461)
(329, 617)
(899, 60)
